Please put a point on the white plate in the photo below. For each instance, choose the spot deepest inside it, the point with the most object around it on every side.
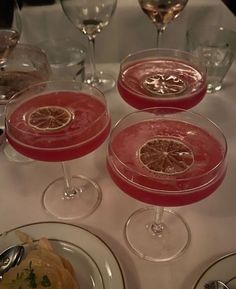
(223, 269)
(94, 263)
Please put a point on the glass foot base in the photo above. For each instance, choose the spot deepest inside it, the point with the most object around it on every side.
(213, 88)
(151, 244)
(83, 203)
(102, 81)
(13, 156)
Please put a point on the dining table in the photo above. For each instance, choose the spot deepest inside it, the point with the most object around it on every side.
(212, 221)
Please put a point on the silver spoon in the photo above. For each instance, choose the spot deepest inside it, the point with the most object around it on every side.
(10, 258)
(217, 284)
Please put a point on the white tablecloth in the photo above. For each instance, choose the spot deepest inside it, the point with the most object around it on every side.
(212, 221)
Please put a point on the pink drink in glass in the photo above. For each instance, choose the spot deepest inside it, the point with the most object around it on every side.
(162, 78)
(89, 127)
(200, 180)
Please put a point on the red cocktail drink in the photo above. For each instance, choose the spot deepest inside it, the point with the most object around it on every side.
(162, 77)
(206, 168)
(57, 121)
(164, 157)
(87, 128)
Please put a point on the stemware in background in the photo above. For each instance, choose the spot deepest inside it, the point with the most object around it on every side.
(27, 64)
(162, 77)
(66, 57)
(159, 156)
(90, 17)
(216, 47)
(162, 12)
(58, 121)
(10, 28)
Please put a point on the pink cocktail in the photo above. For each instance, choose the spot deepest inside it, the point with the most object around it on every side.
(88, 128)
(162, 77)
(55, 122)
(165, 157)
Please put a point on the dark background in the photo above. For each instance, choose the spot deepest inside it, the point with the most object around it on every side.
(231, 4)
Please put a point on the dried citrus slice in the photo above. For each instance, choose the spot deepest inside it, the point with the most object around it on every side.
(164, 84)
(166, 156)
(49, 118)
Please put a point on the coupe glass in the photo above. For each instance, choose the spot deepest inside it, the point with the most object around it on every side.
(26, 65)
(59, 121)
(10, 28)
(162, 12)
(162, 77)
(90, 17)
(165, 157)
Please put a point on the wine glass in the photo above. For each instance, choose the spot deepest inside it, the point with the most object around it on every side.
(58, 121)
(162, 12)
(26, 65)
(90, 17)
(10, 28)
(162, 77)
(159, 156)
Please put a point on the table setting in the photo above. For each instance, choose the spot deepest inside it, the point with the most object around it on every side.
(144, 195)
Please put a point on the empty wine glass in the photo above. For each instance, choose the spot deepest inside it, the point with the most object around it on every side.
(90, 17)
(10, 28)
(162, 12)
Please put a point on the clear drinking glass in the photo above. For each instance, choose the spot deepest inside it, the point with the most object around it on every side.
(90, 17)
(10, 28)
(162, 12)
(216, 47)
(26, 65)
(159, 156)
(58, 121)
(10, 31)
(66, 57)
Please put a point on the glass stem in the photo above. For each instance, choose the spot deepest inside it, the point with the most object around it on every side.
(160, 29)
(69, 191)
(159, 215)
(91, 41)
(159, 34)
(157, 225)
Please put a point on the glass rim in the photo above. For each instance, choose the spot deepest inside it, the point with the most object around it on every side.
(43, 83)
(221, 163)
(70, 146)
(179, 192)
(58, 135)
(173, 50)
(29, 46)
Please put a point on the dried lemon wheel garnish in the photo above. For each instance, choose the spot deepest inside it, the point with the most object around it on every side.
(50, 118)
(166, 156)
(164, 84)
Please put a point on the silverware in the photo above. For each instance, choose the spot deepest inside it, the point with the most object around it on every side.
(216, 284)
(10, 258)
